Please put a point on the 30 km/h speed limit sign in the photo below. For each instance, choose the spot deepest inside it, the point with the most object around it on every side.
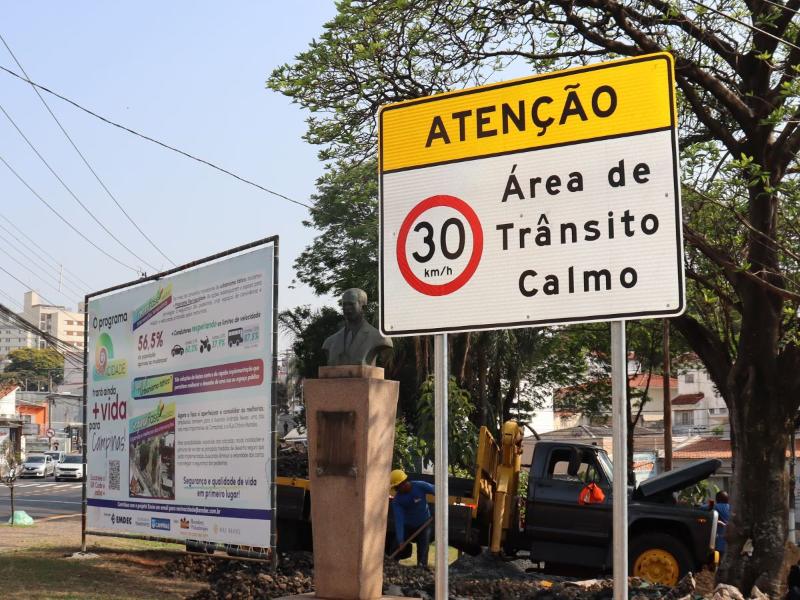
(449, 228)
(549, 199)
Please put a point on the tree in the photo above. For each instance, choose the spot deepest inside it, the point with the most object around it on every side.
(35, 367)
(737, 67)
(462, 434)
(344, 254)
(10, 464)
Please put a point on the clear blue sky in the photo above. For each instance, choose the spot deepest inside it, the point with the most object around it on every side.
(189, 73)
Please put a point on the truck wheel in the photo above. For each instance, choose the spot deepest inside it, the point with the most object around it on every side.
(658, 558)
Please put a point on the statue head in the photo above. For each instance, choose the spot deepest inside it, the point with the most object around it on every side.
(358, 342)
(353, 302)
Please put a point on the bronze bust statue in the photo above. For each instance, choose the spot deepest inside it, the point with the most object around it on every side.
(358, 342)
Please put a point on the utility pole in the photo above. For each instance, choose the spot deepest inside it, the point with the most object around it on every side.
(667, 403)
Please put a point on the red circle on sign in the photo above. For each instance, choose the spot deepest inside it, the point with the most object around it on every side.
(477, 245)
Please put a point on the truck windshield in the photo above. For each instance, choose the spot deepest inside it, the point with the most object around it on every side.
(605, 464)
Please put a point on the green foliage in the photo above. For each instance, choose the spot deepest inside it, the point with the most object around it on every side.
(310, 329)
(409, 450)
(462, 433)
(37, 367)
(345, 253)
(698, 494)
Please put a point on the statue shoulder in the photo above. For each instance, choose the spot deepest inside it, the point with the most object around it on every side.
(331, 339)
(377, 336)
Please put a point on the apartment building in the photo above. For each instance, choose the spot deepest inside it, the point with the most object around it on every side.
(12, 338)
(64, 324)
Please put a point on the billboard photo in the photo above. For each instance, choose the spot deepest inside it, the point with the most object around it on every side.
(179, 404)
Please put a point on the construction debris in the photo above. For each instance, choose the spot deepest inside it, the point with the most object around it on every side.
(292, 463)
(482, 577)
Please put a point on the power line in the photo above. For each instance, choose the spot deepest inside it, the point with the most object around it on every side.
(155, 141)
(72, 354)
(71, 193)
(29, 287)
(743, 24)
(83, 158)
(53, 258)
(71, 226)
(34, 274)
(60, 272)
(10, 297)
(782, 6)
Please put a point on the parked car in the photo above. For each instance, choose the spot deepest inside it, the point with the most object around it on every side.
(56, 455)
(71, 467)
(38, 465)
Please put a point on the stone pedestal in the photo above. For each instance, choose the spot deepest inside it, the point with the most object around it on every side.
(350, 414)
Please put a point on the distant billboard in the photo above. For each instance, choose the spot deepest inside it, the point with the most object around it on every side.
(179, 404)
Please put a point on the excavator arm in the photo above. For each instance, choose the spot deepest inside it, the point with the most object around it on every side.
(507, 482)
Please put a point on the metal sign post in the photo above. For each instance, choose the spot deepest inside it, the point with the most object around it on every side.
(441, 394)
(619, 419)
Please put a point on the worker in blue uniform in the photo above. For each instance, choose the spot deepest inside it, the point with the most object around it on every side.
(410, 509)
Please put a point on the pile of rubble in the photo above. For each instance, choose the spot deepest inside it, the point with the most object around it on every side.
(475, 578)
(292, 463)
(246, 580)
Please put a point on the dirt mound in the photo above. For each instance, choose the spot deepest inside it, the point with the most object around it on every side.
(482, 577)
(292, 464)
(247, 580)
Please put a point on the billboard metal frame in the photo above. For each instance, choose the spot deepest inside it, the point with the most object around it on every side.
(207, 547)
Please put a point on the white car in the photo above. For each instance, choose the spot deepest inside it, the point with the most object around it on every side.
(70, 467)
(37, 465)
(56, 455)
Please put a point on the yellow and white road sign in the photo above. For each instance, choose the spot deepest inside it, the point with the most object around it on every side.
(542, 200)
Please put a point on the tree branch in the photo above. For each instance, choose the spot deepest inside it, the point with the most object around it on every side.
(712, 123)
(709, 348)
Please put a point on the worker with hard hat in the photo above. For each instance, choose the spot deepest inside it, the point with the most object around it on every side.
(410, 509)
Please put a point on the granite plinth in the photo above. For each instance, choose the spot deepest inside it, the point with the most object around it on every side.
(350, 419)
(351, 371)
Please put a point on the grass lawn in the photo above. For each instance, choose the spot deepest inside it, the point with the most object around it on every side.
(125, 569)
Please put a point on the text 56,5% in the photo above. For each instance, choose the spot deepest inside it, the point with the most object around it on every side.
(154, 340)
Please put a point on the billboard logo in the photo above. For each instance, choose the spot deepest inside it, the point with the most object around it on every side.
(121, 520)
(105, 365)
(184, 523)
(154, 305)
(162, 524)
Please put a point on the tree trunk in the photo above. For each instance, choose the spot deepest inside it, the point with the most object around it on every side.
(761, 486)
(761, 414)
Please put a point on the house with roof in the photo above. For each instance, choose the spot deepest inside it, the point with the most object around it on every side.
(649, 384)
(10, 423)
(699, 408)
(8, 399)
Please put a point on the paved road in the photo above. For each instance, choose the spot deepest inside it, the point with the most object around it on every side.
(42, 499)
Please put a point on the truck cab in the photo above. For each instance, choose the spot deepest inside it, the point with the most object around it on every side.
(666, 540)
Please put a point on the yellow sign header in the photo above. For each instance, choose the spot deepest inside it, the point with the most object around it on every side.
(599, 101)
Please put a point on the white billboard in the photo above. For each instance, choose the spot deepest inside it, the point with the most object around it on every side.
(179, 405)
(548, 199)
